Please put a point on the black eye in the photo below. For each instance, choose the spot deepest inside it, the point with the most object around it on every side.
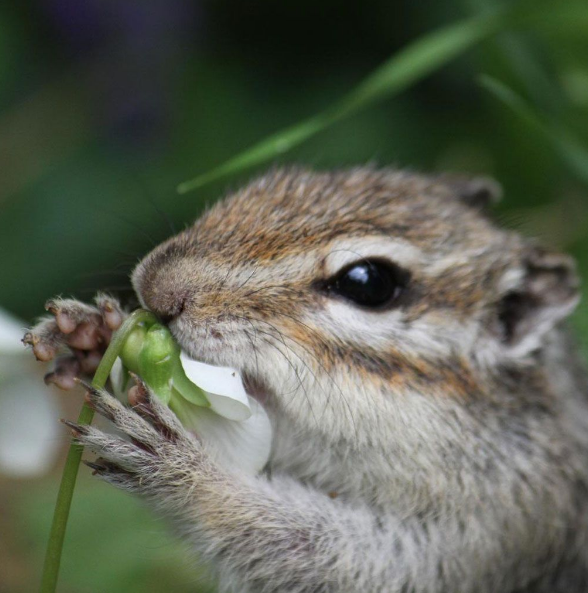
(369, 283)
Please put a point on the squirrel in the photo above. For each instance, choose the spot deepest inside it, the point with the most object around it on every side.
(430, 409)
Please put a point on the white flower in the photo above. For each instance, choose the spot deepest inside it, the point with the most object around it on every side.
(222, 385)
(235, 426)
(29, 433)
(209, 400)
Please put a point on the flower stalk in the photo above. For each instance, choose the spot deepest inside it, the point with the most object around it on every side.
(74, 456)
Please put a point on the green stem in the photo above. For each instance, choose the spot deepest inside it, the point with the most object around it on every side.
(72, 464)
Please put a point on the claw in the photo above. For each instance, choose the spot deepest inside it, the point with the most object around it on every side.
(91, 391)
(76, 429)
(146, 406)
(51, 307)
(92, 398)
(112, 316)
(88, 395)
(30, 339)
(111, 312)
(87, 386)
(95, 466)
(42, 351)
(45, 339)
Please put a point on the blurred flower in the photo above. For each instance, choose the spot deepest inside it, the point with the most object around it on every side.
(29, 433)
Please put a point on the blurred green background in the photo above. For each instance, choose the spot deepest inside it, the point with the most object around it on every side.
(105, 106)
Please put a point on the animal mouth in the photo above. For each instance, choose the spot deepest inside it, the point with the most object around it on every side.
(255, 386)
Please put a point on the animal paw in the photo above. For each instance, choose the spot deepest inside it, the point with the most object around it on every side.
(79, 333)
(157, 458)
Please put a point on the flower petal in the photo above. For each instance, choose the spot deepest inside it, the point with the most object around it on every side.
(11, 332)
(222, 385)
(29, 435)
(244, 446)
(119, 380)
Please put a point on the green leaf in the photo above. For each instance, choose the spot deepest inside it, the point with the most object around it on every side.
(408, 66)
(571, 150)
(411, 64)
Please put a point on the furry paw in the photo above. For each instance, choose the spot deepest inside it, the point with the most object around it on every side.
(83, 331)
(158, 458)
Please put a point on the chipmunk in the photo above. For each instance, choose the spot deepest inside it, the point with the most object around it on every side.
(430, 413)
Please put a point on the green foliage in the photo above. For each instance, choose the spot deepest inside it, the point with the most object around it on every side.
(419, 59)
(571, 150)
(113, 545)
(396, 74)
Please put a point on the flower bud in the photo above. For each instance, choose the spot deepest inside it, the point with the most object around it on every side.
(129, 353)
(157, 360)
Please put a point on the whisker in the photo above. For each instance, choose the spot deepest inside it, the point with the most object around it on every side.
(291, 364)
(324, 342)
(254, 350)
(253, 346)
(102, 273)
(311, 354)
(162, 213)
(146, 193)
(298, 377)
(121, 288)
(131, 257)
(300, 382)
(135, 225)
(249, 278)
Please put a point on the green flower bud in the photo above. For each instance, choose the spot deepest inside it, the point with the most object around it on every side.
(153, 354)
(157, 360)
(131, 348)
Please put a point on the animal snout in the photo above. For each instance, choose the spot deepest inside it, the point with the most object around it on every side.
(166, 304)
(163, 294)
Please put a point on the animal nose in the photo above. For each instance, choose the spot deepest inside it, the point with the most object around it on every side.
(163, 283)
(166, 303)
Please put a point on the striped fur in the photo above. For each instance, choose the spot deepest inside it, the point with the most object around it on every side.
(439, 445)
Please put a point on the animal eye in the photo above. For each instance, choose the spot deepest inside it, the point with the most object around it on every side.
(369, 283)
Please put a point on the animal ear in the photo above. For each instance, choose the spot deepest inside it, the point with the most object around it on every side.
(547, 293)
(477, 192)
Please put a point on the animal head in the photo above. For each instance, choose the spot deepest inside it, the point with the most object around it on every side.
(348, 297)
